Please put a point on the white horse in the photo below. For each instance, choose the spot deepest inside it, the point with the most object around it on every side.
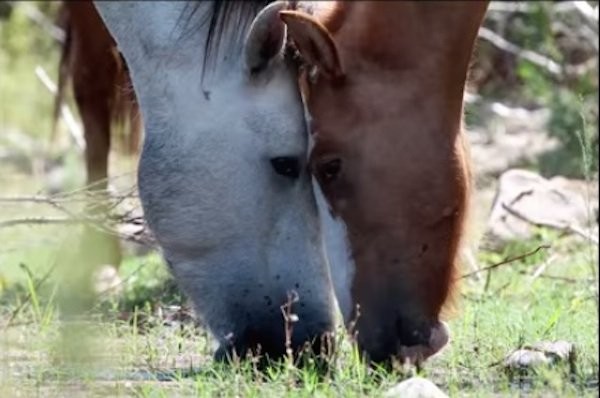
(222, 174)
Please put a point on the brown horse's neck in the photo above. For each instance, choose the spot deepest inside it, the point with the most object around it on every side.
(409, 34)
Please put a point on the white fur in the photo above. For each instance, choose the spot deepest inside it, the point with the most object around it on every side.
(335, 238)
(339, 255)
(234, 231)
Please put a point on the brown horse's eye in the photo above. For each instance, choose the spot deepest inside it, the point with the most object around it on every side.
(330, 170)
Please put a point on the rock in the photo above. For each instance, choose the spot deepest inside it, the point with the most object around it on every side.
(560, 350)
(519, 359)
(511, 137)
(415, 387)
(107, 280)
(538, 200)
(544, 353)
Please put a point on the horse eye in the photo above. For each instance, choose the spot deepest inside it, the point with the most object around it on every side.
(330, 170)
(286, 166)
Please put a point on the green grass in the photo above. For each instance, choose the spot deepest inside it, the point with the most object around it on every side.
(123, 348)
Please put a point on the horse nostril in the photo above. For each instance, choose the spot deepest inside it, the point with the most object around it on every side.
(412, 333)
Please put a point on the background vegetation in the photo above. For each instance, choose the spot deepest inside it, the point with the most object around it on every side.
(531, 56)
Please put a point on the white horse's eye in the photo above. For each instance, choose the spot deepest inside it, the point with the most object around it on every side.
(286, 166)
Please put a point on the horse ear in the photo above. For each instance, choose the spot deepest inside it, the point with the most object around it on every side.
(314, 42)
(266, 37)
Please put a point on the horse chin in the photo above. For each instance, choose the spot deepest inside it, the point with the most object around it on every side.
(416, 354)
(316, 348)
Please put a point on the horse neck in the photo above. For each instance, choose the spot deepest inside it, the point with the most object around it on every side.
(424, 47)
(405, 34)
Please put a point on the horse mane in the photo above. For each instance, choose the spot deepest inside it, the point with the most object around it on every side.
(220, 15)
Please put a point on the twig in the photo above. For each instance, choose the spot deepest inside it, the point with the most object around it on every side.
(42, 21)
(289, 319)
(548, 224)
(540, 60)
(104, 221)
(471, 261)
(39, 221)
(510, 7)
(531, 56)
(559, 278)
(37, 199)
(65, 111)
(539, 270)
(587, 11)
(507, 261)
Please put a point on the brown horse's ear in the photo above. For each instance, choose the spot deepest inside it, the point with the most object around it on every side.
(315, 43)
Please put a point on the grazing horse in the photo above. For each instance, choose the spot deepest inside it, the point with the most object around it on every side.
(222, 175)
(104, 98)
(384, 90)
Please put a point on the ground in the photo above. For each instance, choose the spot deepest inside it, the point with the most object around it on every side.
(140, 344)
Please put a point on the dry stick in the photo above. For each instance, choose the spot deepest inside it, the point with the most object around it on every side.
(73, 218)
(585, 9)
(137, 237)
(57, 201)
(289, 319)
(507, 261)
(38, 17)
(531, 56)
(39, 221)
(540, 269)
(471, 261)
(67, 115)
(37, 199)
(509, 7)
(543, 61)
(559, 278)
(548, 224)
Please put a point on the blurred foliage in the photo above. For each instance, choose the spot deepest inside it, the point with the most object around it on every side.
(562, 34)
(25, 104)
(555, 30)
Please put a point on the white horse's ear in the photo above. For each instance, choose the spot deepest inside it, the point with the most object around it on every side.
(314, 42)
(266, 37)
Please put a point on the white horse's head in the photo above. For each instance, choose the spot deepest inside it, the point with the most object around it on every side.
(222, 175)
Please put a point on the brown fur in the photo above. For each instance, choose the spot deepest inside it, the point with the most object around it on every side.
(395, 123)
(107, 105)
(101, 85)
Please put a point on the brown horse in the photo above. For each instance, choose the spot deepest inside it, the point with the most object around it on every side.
(104, 98)
(385, 93)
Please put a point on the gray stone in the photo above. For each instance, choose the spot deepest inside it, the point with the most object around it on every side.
(415, 387)
(525, 199)
(540, 354)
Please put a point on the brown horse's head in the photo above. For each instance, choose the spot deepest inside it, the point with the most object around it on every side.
(384, 90)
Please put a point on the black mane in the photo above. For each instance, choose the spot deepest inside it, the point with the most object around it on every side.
(221, 14)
